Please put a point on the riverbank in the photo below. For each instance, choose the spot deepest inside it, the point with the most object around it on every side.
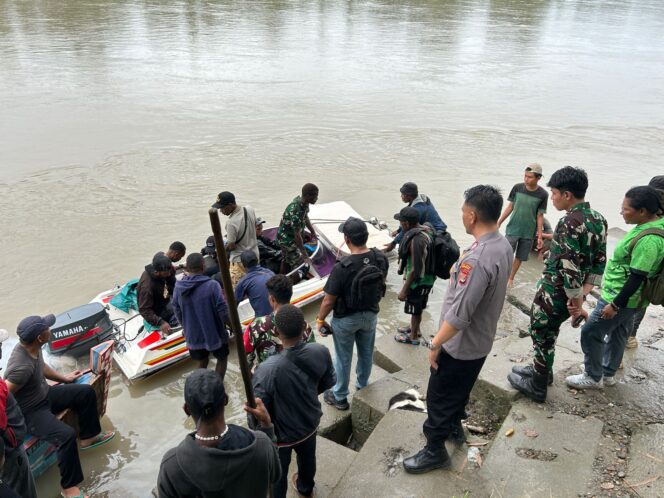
(598, 443)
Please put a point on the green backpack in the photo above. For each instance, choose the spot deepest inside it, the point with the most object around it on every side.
(653, 288)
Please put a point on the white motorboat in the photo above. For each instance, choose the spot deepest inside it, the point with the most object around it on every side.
(326, 219)
(139, 353)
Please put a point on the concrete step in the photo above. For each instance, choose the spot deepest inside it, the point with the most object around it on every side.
(378, 470)
(393, 356)
(512, 321)
(554, 460)
(646, 461)
(336, 424)
(332, 462)
(371, 403)
(514, 351)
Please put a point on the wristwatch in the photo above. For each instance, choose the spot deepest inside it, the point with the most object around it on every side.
(431, 346)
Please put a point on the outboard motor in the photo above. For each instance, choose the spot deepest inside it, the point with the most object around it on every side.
(77, 330)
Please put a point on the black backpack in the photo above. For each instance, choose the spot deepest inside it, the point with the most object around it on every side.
(368, 285)
(444, 254)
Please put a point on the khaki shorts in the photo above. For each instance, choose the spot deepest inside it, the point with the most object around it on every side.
(237, 271)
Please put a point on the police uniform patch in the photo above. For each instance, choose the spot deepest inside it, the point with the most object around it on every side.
(464, 272)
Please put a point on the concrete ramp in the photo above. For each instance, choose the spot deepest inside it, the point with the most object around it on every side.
(548, 454)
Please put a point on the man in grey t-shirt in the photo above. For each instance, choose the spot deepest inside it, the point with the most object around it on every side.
(469, 318)
(240, 232)
(26, 379)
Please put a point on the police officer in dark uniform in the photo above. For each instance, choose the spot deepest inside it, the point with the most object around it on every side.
(464, 339)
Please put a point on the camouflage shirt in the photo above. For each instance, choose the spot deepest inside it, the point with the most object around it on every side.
(261, 340)
(578, 251)
(292, 222)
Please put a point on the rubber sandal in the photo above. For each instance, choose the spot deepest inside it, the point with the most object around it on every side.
(404, 339)
(406, 330)
(80, 495)
(100, 439)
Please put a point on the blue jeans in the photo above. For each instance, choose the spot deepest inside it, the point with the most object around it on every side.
(360, 329)
(638, 318)
(603, 341)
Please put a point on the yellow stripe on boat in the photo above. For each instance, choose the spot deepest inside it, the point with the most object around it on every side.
(165, 357)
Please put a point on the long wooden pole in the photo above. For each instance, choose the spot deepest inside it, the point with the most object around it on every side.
(236, 326)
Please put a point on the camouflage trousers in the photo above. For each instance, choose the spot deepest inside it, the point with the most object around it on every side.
(547, 313)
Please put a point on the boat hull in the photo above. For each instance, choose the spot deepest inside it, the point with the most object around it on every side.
(139, 353)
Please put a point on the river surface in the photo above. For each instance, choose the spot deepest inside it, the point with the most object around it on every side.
(120, 121)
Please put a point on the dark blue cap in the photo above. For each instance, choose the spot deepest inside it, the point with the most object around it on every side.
(32, 326)
(248, 258)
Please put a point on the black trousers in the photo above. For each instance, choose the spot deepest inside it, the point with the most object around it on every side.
(306, 467)
(447, 395)
(42, 423)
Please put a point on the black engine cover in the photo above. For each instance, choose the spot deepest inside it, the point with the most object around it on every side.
(78, 329)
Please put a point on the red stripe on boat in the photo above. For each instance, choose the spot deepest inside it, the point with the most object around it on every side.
(63, 343)
(151, 339)
(169, 344)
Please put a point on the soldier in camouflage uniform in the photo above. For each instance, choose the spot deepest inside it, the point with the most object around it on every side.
(261, 338)
(574, 265)
(291, 229)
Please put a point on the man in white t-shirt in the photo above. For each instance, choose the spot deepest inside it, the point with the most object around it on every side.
(240, 232)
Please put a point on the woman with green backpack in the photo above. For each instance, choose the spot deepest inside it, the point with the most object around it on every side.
(632, 279)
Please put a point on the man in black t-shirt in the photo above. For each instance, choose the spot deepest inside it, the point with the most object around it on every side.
(353, 291)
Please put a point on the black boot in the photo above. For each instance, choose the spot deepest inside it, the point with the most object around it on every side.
(427, 459)
(527, 371)
(458, 435)
(534, 387)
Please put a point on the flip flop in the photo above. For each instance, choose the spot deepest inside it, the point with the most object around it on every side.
(80, 495)
(406, 330)
(102, 438)
(404, 339)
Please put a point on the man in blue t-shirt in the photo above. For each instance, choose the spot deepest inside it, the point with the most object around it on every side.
(428, 214)
(253, 285)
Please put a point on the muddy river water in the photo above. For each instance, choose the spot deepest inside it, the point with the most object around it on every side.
(121, 120)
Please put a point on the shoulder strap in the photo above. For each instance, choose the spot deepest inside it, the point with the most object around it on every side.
(295, 360)
(244, 210)
(378, 258)
(345, 262)
(646, 232)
